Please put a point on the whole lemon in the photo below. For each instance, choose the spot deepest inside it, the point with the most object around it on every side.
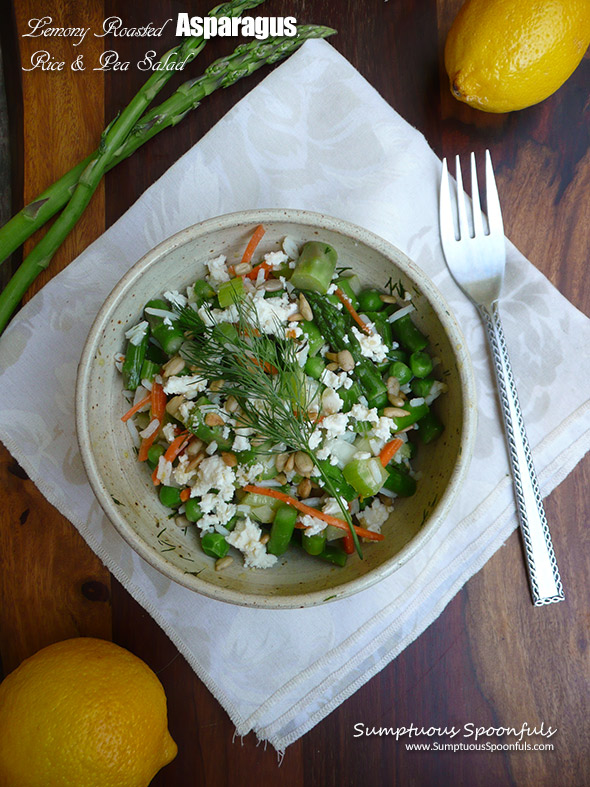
(502, 55)
(83, 713)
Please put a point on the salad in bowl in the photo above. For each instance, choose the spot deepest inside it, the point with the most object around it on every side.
(275, 408)
(278, 395)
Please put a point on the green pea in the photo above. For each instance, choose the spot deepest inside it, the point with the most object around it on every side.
(401, 371)
(369, 301)
(422, 387)
(154, 454)
(421, 364)
(170, 496)
(192, 510)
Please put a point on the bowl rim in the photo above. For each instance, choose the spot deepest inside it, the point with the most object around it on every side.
(437, 303)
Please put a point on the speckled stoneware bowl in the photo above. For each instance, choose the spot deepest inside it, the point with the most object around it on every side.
(296, 580)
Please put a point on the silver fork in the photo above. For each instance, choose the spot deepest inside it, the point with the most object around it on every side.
(477, 264)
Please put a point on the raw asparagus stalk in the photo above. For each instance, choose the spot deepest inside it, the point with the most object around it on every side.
(246, 59)
(224, 72)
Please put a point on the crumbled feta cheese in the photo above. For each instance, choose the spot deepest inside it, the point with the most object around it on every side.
(275, 258)
(169, 432)
(217, 512)
(384, 428)
(362, 455)
(335, 424)
(313, 525)
(240, 444)
(372, 518)
(331, 402)
(302, 355)
(245, 431)
(215, 316)
(176, 299)
(336, 381)
(332, 508)
(315, 439)
(362, 413)
(372, 345)
(331, 289)
(213, 473)
(246, 537)
(136, 334)
(164, 471)
(182, 476)
(246, 475)
(218, 272)
(185, 410)
(189, 385)
(272, 313)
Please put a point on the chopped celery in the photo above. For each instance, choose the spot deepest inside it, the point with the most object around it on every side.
(367, 476)
(230, 292)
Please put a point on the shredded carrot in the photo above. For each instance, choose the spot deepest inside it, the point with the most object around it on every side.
(268, 367)
(264, 266)
(390, 450)
(253, 243)
(176, 446)
(136, 407)
(331, 520)
(185, 494)
(158, 398)
(348, 544)
(350, 308)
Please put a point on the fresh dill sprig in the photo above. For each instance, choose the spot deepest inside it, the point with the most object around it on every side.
(396, 287)
(262, 372)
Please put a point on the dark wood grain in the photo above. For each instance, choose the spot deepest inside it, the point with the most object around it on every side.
(490, 658)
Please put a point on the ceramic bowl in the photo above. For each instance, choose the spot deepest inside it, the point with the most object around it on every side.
(124, 488)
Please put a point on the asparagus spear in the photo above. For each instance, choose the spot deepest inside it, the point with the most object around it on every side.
(246, 59)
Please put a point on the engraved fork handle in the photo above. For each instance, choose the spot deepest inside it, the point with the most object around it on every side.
(544, 576)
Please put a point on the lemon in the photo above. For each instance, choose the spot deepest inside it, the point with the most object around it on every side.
(83, 713)
(502, 55)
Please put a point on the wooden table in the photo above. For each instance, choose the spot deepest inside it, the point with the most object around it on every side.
(491, 658)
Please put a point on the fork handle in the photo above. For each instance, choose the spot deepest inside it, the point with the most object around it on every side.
(544, 576)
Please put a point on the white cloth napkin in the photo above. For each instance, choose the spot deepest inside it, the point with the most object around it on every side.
(312, 135)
